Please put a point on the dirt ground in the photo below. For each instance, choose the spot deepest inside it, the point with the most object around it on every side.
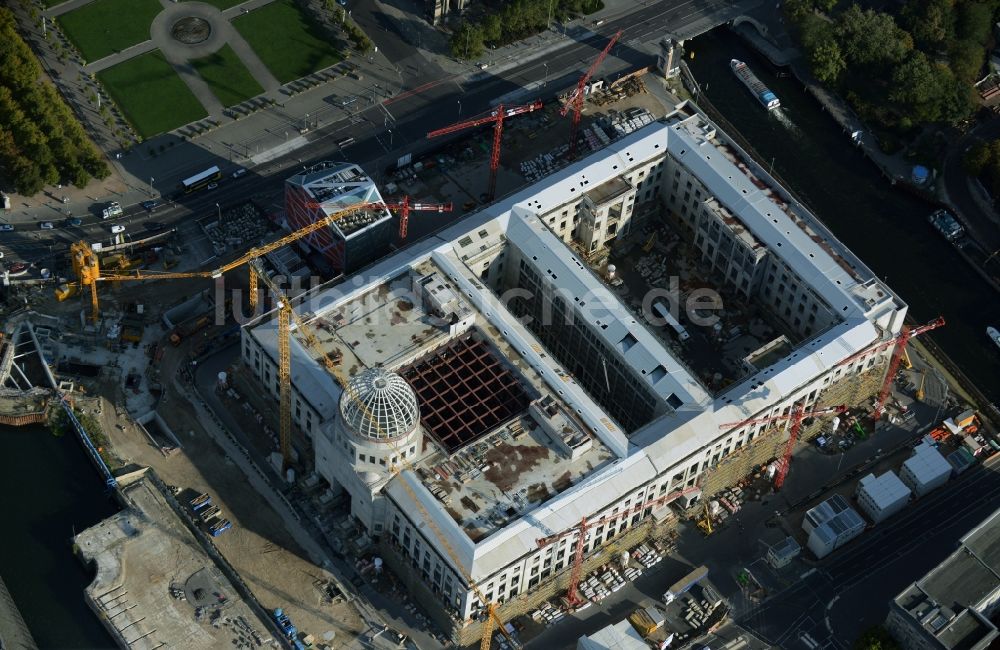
(276, 569)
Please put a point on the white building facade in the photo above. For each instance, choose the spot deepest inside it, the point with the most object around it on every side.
(660, 427)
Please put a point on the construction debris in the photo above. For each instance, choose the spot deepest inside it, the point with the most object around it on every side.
(235, 228)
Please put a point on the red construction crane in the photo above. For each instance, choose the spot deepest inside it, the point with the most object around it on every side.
(797, 415)
(900, 342)
(496, 117)
(572, 592)
(404, 207)
(575, 100)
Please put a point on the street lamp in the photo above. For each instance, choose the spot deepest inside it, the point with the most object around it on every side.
(460, 108)
(390, 138)
(219, 210)
(546, 80)
(151, 179)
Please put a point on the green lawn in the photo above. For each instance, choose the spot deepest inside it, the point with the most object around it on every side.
(103, 27)
(228, 78)
(289, 43)
(221, 4)
(152, 96)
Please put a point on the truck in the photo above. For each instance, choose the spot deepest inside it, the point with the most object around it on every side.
(642, 622)
(285, 623)
(200, 501)
(189, 327)
(113, 209)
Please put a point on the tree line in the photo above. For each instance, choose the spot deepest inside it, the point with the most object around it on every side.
(899, 73)
(41, 141)
(512, 22)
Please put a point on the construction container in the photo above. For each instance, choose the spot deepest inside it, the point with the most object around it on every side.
(926, 469)
(883, 496)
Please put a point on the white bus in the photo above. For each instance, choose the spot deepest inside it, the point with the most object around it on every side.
(201, 180)
(664, 312)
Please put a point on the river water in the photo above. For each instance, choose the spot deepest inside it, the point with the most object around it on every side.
(51, 490)
(886, 227)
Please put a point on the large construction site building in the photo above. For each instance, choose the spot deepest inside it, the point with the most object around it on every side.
(330, 187)
(519, 392)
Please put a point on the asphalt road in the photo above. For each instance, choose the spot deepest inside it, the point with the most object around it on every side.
(383, 131)
(959, 187)
(849, 592)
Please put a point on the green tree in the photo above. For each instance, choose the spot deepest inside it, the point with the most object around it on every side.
(876, 638)
(966, 59)
(976, 158)
(975, 20)
(815, 30)
(492, 28)
(931, 22)
(957, 101)
(827, 61)
(870, 38)
(467, 41)
(917, 85)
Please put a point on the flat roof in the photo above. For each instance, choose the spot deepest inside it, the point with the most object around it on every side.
(884, 490)
(616, 463)
(927, 463)
(335, 186)
(949, 599)
(786, 228)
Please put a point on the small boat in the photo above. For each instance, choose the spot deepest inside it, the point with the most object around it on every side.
(754, 85)
(994, 335)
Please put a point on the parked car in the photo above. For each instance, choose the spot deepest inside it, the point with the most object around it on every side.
(239, 172)
(113, 209)
(46, 225)
(6, 227)
(211, 186)
(17, 268)
(117, 228)
(150, 206)
(74, 221)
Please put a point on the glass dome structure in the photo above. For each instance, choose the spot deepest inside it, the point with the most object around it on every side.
(379, 405)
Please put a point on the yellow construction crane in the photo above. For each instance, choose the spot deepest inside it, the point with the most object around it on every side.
(87, 267)
(286, 314)
(919, 395)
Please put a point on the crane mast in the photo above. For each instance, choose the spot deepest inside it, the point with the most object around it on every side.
(496, 118)
(575, 100)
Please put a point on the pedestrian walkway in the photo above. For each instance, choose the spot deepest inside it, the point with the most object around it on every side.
(149, 166)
